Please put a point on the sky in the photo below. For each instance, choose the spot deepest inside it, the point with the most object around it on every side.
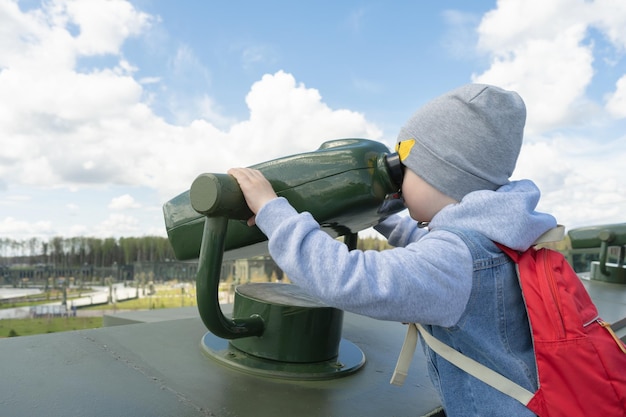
(109, 108)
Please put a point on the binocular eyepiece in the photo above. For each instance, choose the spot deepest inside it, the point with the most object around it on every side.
(395, 169)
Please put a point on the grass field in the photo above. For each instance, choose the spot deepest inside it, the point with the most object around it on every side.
(27, 327)
(164, 297)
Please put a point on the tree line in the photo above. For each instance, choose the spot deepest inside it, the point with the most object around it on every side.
(105, 252)
(77, 251)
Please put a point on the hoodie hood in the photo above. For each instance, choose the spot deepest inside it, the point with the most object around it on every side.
(506, 215)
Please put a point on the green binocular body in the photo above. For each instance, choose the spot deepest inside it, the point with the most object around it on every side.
(346, 185)
(603, 236)
(594, 236)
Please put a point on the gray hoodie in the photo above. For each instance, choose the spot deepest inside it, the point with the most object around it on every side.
(426, 278)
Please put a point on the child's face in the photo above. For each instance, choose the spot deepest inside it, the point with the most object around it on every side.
(422, 199)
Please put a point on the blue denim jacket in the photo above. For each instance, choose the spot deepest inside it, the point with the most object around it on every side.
(493, 330)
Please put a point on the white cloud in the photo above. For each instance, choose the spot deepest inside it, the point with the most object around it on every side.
(73, 127)
(21, 229)
(543, 50)
(546, 52)
(287, 118)
(104, 25)
(188, 109)
(65, 127)
(610, 17)
(82, 230)
(131, 145)
(616, 102)
(123, 202)
(580, 179)
(118, 225)
(537, 50)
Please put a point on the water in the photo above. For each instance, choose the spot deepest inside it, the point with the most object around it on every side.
(20, 312)
(100, 295)
(17, 292)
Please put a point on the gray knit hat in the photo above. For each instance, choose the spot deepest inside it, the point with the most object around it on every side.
(465, 140)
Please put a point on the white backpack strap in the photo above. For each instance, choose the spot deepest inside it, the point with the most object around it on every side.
(406, 355)
(555, 234)
(476, 369)
(469, 365)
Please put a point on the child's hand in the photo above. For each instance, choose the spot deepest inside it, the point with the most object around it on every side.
(255, 187)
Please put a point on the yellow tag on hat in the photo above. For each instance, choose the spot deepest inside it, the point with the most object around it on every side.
(404, 148)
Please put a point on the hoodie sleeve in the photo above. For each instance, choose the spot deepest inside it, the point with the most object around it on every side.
(400, 230)
(416, 283)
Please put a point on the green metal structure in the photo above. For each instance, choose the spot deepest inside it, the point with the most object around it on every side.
(344, 184)
(605, 237)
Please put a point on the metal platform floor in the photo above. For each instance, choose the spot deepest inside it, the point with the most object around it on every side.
(156, 367)
(150, 363)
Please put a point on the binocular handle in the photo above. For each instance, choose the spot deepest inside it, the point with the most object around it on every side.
(219, 195)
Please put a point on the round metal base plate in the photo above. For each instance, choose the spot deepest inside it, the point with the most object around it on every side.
(349, 360)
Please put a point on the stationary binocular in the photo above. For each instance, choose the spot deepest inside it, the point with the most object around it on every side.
(347, 185)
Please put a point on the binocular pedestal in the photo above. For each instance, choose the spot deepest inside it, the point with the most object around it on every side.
(275, 330)
(301, 337)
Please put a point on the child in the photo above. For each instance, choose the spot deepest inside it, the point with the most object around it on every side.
(459, 151)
